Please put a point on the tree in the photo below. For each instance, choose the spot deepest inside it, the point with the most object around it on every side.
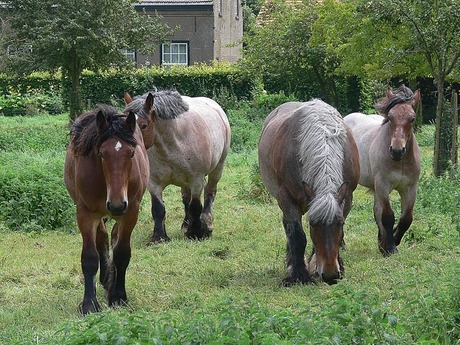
(278, 49)
(74, 35)
(388, 38)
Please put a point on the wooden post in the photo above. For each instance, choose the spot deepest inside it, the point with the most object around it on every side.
(454, 150)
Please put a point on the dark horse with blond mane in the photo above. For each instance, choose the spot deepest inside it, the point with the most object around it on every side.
(389, 157)
(190, 139)
(106, 173)
(309, 162)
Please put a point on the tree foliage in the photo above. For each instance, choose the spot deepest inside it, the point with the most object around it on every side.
(80, 34)
(279, 50)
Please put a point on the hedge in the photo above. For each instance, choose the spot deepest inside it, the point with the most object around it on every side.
(108, 87)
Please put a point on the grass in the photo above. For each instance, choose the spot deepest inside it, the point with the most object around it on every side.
(227, 290)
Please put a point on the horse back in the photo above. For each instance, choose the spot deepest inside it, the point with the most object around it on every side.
(278, 155)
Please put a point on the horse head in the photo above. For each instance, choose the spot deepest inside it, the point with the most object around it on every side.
(116, 150)
(326, 221)
(144, 116)
(399, 111)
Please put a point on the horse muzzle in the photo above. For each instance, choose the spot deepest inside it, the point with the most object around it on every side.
(117, 208)
(397, 154)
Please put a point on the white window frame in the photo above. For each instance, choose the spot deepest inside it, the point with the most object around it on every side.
(129, 54)
(175, 53)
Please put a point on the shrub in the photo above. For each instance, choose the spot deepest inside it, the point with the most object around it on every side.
(32, 192)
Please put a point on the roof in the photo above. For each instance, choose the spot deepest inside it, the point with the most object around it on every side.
(174, 4)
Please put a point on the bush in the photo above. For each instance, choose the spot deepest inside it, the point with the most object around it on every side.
(31, 103)
(33, 197)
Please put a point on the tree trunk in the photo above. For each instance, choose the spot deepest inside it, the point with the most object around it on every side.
(75, 100)
(441, 156)
(454, 151)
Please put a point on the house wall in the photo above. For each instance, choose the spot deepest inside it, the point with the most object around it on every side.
(196, 28)
(212, 32)
(228, 16)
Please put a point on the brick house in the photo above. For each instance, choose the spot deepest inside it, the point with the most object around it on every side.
(209, 30)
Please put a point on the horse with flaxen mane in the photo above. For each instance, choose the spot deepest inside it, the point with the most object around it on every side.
(309, 163)
(389, 157)
(190, 138)
(106, 173)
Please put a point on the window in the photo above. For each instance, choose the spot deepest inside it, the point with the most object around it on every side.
(174, 53)
(237, 9)
(18, 50)
(220, 8)
(129, 54)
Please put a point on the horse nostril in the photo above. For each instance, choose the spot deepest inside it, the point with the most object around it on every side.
(332, 279)
(117, 209)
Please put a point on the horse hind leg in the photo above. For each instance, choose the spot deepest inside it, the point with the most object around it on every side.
(186, 197)
(210, 192)
(158, 214)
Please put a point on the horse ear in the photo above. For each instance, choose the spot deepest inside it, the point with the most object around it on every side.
(131, 121)
(342, 192)
(101, 121)
(127, 97)
(309, 192)
(416, 97)
(149, 102)
(390, 93)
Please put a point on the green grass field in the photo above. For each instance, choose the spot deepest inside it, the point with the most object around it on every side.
(227, 289)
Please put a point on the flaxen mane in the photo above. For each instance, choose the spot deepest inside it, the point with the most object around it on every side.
(168, 104)
(322, 138)
(84, 134)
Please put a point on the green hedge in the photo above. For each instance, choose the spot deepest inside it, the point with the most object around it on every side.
(108, 87)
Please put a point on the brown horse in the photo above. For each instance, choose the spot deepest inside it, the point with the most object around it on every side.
(190, 141)
(106, 173)
(389, 157)
(309, 162)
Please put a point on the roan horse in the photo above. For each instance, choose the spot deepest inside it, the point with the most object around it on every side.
(191, 139)
(309, 162)
(389, 157)
(106, 173)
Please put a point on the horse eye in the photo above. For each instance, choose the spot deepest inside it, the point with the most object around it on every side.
(143, 127)
(412, 120)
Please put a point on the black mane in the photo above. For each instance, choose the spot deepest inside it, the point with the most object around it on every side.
(402, 95)
(85, 136)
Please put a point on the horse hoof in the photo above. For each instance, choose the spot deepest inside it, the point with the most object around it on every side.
(88, 308)
(388, 252)
(159, 239)
(298, 278)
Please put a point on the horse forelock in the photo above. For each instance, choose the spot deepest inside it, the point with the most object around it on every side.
(402, 95)
(168, 104)
(322, 138)
(85, 136)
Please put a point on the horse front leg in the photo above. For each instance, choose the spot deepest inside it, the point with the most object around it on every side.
(385, 219)
(102, 245)
(89, 261)
(159, 215)
(407, 210)
(295, 253)
(121, 257)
